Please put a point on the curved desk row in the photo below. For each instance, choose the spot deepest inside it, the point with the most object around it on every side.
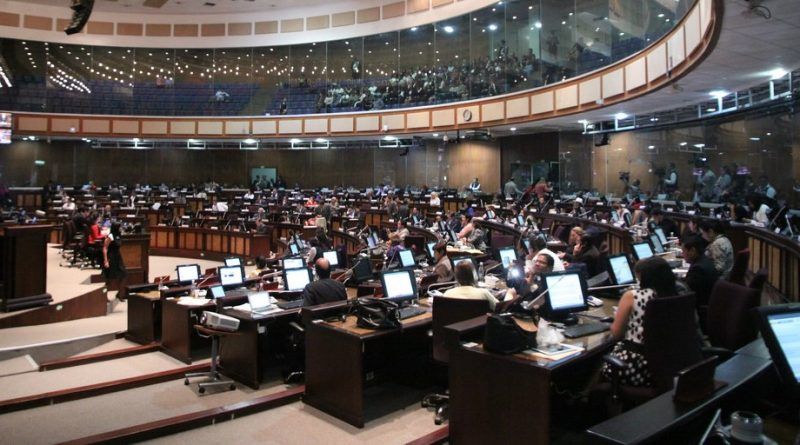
(206, 243)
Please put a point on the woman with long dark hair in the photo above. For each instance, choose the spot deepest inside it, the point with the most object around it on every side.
(113, 266)
(656, 280)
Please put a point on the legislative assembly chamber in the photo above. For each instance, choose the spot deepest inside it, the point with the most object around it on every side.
(400, 222)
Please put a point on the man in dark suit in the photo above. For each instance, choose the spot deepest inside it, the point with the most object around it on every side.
(701, 275)
(324, 290)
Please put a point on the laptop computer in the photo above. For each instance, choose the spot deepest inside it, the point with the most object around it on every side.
(260, 302)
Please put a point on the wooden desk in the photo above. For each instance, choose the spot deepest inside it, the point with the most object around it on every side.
(240, 358)
(660, 416)
(210, 244)
(342, 359)
(144, 316)
(505, 399)
(177, 328)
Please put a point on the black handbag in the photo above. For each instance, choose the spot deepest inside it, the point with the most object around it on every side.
(504, 336)
(375, 313)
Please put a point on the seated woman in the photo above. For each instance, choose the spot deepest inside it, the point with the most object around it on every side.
(656, 281)
(465, 275)
(719, 249)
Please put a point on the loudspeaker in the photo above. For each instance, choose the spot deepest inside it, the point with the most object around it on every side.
(82, 10)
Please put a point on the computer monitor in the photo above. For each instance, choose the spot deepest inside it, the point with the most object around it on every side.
(407, 258)
(780, 328)
(231, 276)
(490, 214)
(456, 260)
(520, 220)
(188, 272)
(233, 261)
(507, 256)
(371, 242)
(642, 250)
(294, 263)
(527, 244)
(429, 248)
(362, 271)
(661, 236)
(566, 294)
(332, 256)
(294, 249)
(217, 292)
(296, 279)
(452, 234)
(656, 242)
(399, 285)
(620, 269)
(417, 220)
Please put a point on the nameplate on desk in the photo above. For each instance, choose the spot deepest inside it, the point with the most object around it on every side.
(162, 225)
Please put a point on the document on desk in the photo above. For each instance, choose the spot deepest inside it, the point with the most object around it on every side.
(561, 351)
(189, 301)
(245, 307)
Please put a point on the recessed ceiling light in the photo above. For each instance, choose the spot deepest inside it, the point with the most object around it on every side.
(449, 29)
(390, 138)
(436, 135)
(777, 73)
(513, 128)
(620, 116)
(719, 94)
(295, 140)
(320, 140)
(683, 144)
(249, 141)
(755, 139)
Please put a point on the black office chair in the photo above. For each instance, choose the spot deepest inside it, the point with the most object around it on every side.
(447, 311)
(730, 324)
(670, 345)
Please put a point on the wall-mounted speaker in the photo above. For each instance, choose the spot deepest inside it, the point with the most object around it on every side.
(82, 9)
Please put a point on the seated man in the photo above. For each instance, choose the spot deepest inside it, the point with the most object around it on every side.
(443, 267)
(701, 275)
(465, 275)
(324, 290)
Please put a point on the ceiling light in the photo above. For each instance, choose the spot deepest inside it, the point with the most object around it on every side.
(436, 135)
(777, 73)
(620, 116)
(390, 138)
(710, 110)
(295, 140)
(683, 144)
(513, 128)
(755, 139)
(492, 27)
(650, 147)
(719, 94)
(699, 145)
(320, 140)
(137, 140)
(448, 29)
(538, 25)
(249, 141)
(769, 134)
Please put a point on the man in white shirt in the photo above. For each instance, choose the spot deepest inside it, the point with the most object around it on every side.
(539, 247)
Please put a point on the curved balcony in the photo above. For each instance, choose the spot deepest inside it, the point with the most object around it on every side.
(506, 47)
(668, 56)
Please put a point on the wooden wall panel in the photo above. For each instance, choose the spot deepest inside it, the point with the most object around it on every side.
(517, 107)
(292, 25)
(590, 91)
(65, 125)
(542, 103)
(343, 18)
(613, 83)
(657, 62)
(270, 27)
(635, 74)
(473, 158)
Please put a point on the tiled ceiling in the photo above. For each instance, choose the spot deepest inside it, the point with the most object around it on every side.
(192, 6)
(749, 47)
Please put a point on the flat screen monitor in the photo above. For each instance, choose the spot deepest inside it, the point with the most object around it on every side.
(399, 285)
(566, 293)
(490, 214)
(407, 258)
(520, 220)
(456, 260)
(233, 261)
(452, 234)
(294, 249)
(780, 328)
(507, 256)
(188, 272)
(231, 276)
(217, 292)
(362, 271)
(429, 248)
(5, 138)
(296, 279)
(417, 220)
(620, 269)
(332, 256)
(294, 263)
(5, 120)
(656, 242)
(443, 226)
(527, 243)
(661, 236)
(642, 250)
(371, 242)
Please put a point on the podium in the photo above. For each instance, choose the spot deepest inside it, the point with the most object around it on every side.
(23, 266)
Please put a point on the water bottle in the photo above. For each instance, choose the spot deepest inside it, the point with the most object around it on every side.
(481, 272)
